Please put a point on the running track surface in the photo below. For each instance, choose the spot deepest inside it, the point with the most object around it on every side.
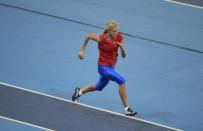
(62, 115)
(163, 68)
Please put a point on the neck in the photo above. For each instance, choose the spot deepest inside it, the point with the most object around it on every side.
(110, 37)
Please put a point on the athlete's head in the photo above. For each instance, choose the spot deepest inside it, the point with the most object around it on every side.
(112, 28)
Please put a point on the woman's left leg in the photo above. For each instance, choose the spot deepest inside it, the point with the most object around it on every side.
(111, 74)
(114, 76)
(123, 95)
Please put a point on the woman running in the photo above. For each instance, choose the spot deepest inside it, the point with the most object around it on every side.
(108, 44)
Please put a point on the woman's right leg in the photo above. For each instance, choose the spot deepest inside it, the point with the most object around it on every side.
(103, 81)
(78, 92)
(88, 88)
(96, 87)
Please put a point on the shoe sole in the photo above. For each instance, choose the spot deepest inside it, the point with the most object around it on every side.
(131, 114)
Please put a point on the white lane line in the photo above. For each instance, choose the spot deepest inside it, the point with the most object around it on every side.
(92, 107)
(176, 2)
(25, 123)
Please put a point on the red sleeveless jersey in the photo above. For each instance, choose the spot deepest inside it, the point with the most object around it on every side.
(108, 49)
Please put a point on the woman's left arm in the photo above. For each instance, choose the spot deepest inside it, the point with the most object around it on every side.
(122, 48)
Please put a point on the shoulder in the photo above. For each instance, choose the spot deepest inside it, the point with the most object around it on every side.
(119, 37)
(102, 36)
(119, 34)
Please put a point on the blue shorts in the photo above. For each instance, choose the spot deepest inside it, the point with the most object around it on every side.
(108, 73)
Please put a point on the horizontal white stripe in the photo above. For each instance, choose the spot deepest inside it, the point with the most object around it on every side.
(25, 123)
(176, 2)
(100, 109)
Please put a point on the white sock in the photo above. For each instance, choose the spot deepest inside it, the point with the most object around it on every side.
(80, 92)
(126, 108)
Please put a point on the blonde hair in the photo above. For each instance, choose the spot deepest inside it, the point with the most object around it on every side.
(110, 25)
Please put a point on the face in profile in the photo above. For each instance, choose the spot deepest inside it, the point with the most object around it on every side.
(113, 32)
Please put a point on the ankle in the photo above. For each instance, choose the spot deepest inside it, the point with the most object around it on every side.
(126, 108)
(80, 93)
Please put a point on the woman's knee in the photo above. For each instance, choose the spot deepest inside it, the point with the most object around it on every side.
(101, 83)
(121, 81)
(99, 86)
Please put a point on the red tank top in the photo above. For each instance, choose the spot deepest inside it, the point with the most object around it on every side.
(108, 49)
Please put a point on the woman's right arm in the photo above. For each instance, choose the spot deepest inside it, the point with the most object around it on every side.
(91, 36)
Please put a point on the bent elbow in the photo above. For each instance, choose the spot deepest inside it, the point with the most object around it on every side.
(88, 37)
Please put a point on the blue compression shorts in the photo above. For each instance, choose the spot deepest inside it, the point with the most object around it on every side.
(108, 73)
